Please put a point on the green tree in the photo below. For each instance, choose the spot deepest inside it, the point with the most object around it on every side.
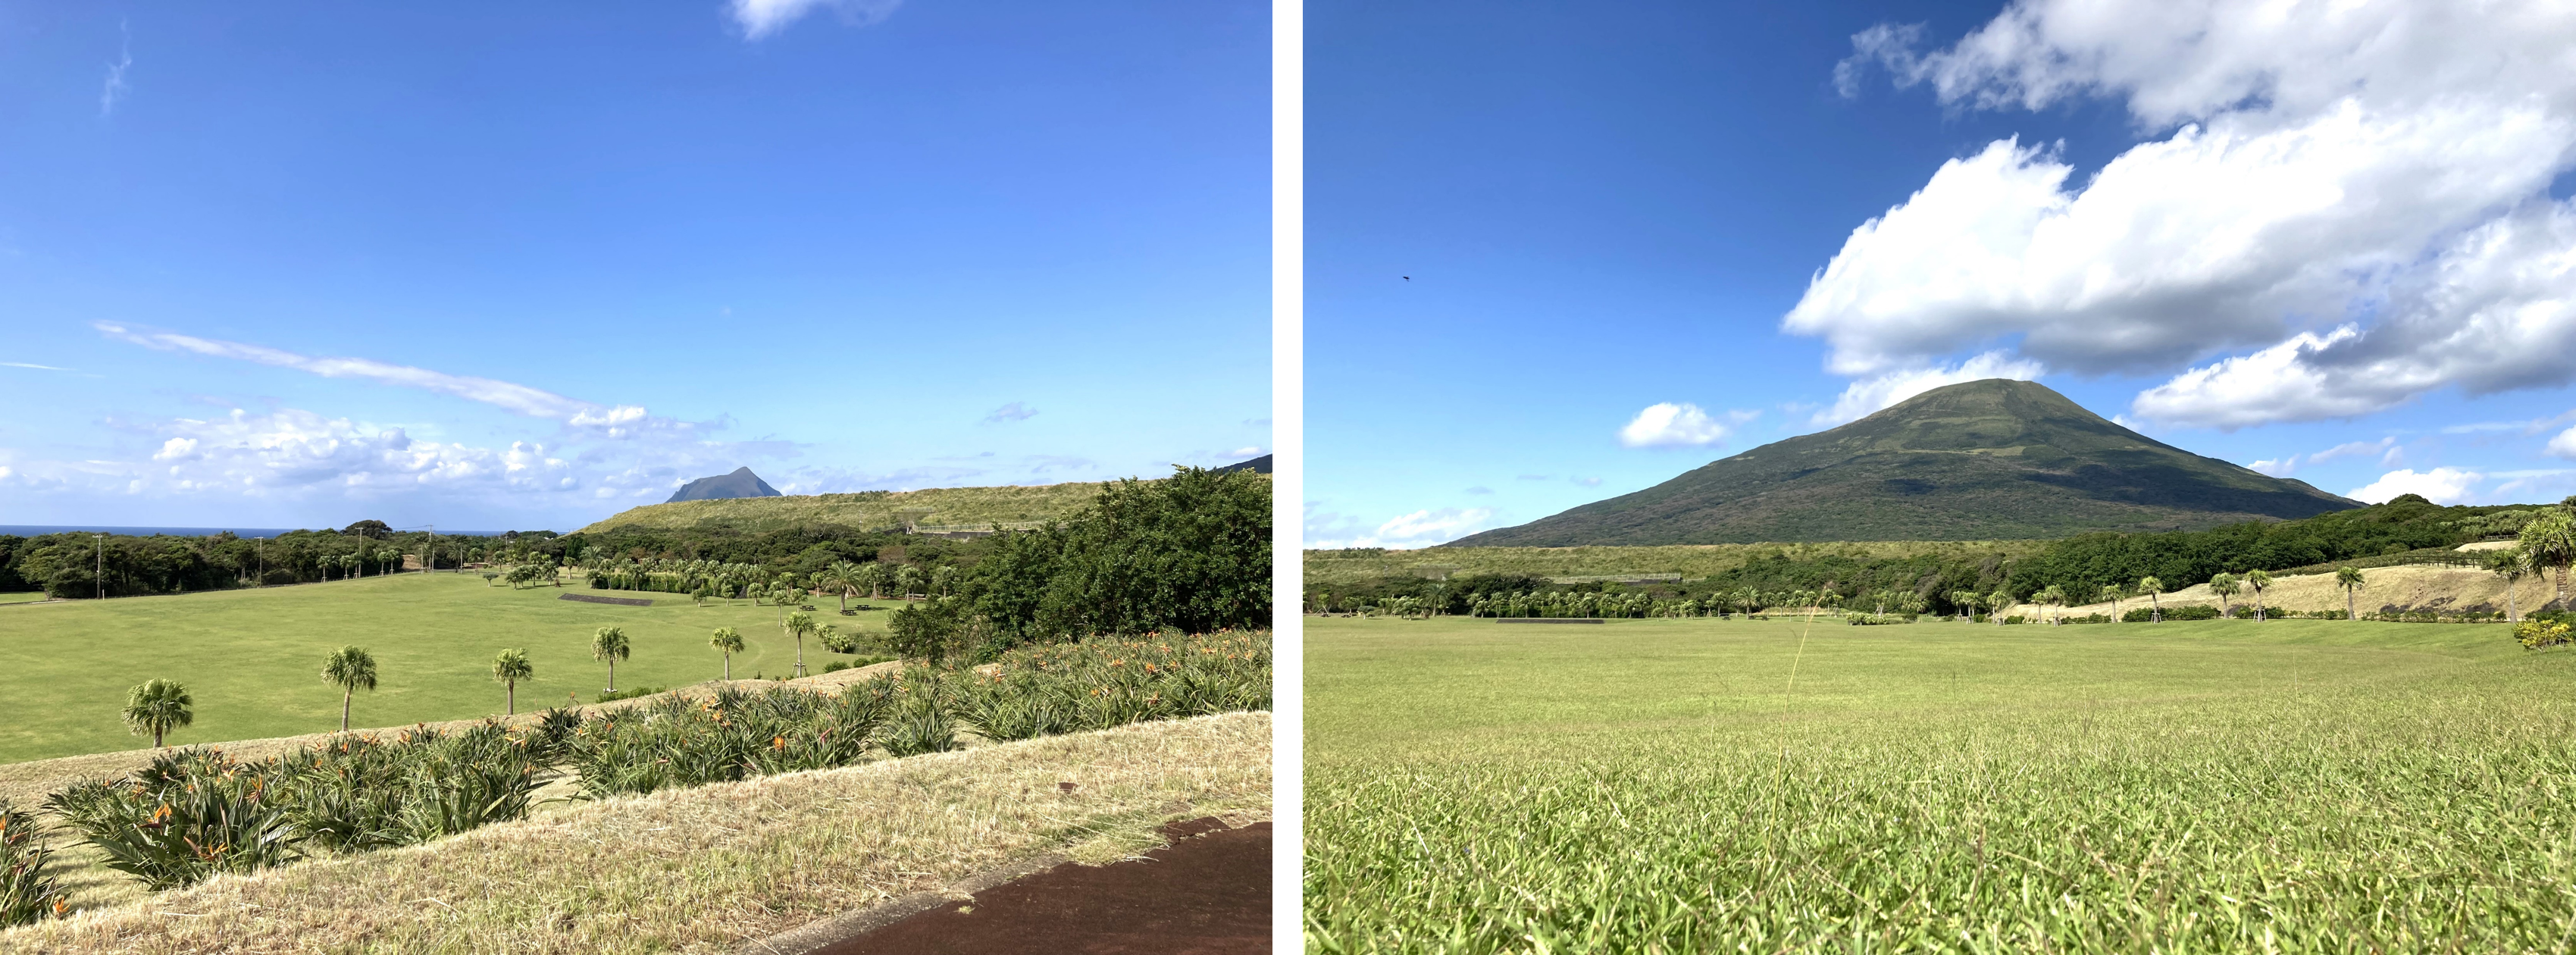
(798, 625)
(2512, 564)
(2153, 588)
(872, 576)
(842, 579)
(351, 669)
(2225, 586)
(1998, 602)
(2051, 597)
(926, 631)
(508, 669)
(2115, 593)
(2348, 578)
(727, 642)
(156, 707)
(907, 580)
(2550, 539)
(489, 576)
(609, 644)
(2258, 581)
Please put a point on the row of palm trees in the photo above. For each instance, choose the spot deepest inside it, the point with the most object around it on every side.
(158, 706)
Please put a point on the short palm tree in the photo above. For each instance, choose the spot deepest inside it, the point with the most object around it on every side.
(798, 625)
(2153, 587)
(351, 669)
(2224, 585)
(2348, 578)
(907, 579)
(609, 644)
(2258, 581)
(727, 642)
(842, 579)
(157, 707)
(508, 669)
(1998, 602)
(2550, 539)
(2511, 564)
(2052, 597)
(872, 576)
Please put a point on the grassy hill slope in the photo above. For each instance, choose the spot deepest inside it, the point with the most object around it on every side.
(1330, 567)
(964, 508)
(1983, 460)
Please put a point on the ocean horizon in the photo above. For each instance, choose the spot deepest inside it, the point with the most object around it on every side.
(32, 530)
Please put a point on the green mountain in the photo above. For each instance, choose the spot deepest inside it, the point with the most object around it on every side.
(1984, 460)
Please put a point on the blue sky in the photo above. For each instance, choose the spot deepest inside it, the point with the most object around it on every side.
(525, 265)
(2335, 244)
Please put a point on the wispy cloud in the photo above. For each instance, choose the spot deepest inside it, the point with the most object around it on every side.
(760, 18)
(114, 89)
(21, 364)
(615, 421)
(1015, 411)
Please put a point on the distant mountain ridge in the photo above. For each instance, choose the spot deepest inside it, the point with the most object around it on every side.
(1983, 460)
(740, 483)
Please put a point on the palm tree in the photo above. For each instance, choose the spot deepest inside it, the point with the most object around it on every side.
(2152, 587)
(798, 625)
(2258, 580)
(1998, 602)
(508, 669)
(157, 707)
(2550, 539)
(2348, 578)
(351, 669)
(727, 642)
(873, 577)
(609, 644)
(907, 579)
(1966, 602)
(2511, 564)
(842, 578)
(2224, 585)
(2115, 593)
(2052, 598)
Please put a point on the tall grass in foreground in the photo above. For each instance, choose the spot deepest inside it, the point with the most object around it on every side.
(2422, 811)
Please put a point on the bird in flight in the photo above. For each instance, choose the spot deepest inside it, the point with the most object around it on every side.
(1408, 278)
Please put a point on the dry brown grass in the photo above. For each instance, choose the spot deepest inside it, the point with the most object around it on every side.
(711, 868)
(2405, 587)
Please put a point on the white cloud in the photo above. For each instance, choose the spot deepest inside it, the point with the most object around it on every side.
(760, 18)
(114, 88)
(2439, 485)
(1015, 411)
(1422, 528)
(2355, 191)
(2354, 449)
(1867, 396)
(2564, 445)
(21, 364)
(2276, 467)
(1669, 425)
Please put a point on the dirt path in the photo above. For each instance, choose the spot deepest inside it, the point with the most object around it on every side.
(1208, 893)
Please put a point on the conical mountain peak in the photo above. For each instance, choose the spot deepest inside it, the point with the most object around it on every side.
(1979, 460)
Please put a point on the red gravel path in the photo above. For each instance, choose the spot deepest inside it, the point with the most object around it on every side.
(1208, 893)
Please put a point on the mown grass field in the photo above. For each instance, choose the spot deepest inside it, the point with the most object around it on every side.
(1661, 786)
(252, 657)
(1328, 567)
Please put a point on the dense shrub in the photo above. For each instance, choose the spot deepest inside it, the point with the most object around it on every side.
(195, 812)
(1098, 684)
(611, 696)
(674, 741)
(2535, 634)
(2176, 612)
(1878, 619)
(29, 888)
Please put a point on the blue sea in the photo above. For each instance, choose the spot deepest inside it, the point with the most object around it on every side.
(31, 530)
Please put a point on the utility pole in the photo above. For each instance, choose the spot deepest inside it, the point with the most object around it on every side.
(98, 573)
(429, 552)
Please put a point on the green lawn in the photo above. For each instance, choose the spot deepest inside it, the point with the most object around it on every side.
(1660, 785)
(21, 596)
(252, 657)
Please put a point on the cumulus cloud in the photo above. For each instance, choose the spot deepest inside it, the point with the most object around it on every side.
(2344, 203)
(1670, 425)
(760, 18)
(2439, 485)
(1869, 395)
(2276, 467)
(2564, 445)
